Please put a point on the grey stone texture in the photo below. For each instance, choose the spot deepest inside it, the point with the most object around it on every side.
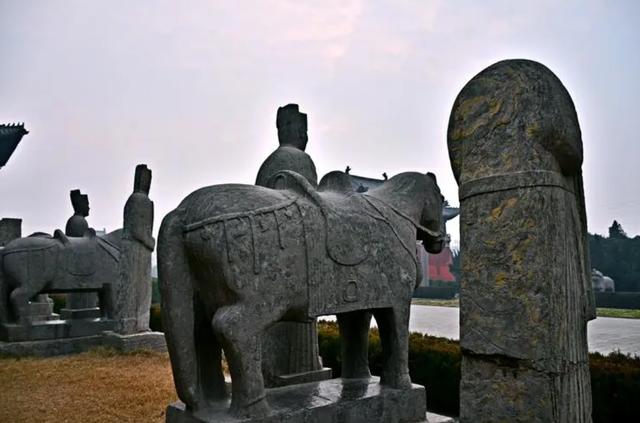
(10, 229)
(516, 152)
(290, 349)
(116, 266)
(329, 401)
(292, 136)
(234, 259)
(77, 226)
(150, 341)
(133, 296)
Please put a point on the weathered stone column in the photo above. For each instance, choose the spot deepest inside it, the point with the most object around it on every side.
(525, 299)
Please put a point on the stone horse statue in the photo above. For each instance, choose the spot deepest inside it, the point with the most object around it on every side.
(43, 263)
(234, 259)
(117, 265)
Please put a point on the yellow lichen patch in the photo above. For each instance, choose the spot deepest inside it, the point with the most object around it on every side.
(467, 108)
(518, 253)
(533, 129)
(497, 211)
(501, 279)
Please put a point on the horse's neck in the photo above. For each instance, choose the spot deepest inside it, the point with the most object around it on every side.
(407, 200)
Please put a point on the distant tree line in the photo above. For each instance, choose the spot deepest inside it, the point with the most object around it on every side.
(617, 256)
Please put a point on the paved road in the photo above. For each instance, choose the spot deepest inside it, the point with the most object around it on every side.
(605, 334)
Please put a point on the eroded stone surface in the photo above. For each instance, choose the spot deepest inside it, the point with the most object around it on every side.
(331, 401)
(516, 152)
(116, 266)
(244, 257)
(290, 349)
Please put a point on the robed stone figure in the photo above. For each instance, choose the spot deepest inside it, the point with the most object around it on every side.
(290, 347)
(77, 226)
(134, 293)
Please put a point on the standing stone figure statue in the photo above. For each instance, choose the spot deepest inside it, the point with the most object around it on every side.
(525, 299)
(77, 226)
(134, 294)
(291, 348)
(292, 135)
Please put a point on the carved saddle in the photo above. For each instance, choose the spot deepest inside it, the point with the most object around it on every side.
(347, 218)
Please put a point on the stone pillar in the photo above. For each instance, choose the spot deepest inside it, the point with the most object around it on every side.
(10, 229)
(133, 296)
(525, 298)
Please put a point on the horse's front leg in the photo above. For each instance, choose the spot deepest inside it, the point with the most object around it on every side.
(393, 324)
(240, 330)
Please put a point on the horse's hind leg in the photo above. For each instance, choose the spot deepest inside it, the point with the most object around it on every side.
(239, 328)
(177, 301)
(393, 324)
(209, 356)
(354, 341)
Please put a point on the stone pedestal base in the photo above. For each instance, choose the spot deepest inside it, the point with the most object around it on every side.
(138, 341)
(54, 329)
(334, 401)
(80, 313)
(42, 309)
(304, 377)
(61, 346)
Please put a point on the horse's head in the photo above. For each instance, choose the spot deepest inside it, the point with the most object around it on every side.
(431, 232)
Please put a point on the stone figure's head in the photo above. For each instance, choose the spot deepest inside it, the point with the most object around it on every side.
(80, 202)
(513, 116)
(142, 180)
(292, 127)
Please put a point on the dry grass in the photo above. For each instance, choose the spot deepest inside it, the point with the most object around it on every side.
(98, 386)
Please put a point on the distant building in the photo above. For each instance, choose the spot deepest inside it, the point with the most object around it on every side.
(10, 136)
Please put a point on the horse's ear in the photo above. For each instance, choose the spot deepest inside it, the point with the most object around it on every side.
(432, 176)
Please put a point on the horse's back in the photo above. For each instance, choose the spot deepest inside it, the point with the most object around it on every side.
(228, 199)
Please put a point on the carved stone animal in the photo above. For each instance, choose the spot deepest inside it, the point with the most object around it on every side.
(234, 259)
(45, 264)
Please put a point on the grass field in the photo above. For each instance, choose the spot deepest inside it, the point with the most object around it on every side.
(98, 386)
(601, 312)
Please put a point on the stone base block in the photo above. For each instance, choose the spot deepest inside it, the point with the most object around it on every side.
(54, 329)
(51, 347)
(329, 401)
(153, 341)
(80, 313)
(304, 377)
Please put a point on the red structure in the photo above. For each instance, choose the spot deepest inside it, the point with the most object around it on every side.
(440, 265)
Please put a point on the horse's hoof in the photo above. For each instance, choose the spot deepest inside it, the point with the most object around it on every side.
(256, 409)
(397, 382)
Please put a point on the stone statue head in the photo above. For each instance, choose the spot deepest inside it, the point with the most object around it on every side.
(513, 116)
(292, 127)
(142, 180)
(80, 202)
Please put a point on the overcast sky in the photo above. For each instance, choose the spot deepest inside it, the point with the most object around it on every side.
(192, 89)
